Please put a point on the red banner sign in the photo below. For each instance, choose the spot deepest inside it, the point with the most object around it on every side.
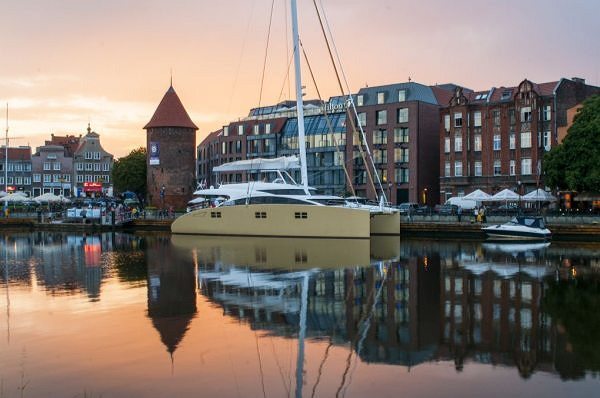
(92, 187)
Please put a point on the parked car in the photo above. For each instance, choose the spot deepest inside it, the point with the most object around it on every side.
(446, 210)
(404, 208)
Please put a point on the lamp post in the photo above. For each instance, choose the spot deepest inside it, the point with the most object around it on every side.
(162, 197)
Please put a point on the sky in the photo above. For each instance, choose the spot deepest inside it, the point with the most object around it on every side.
(67, 63)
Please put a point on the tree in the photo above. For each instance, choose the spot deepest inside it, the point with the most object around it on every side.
(129, 173)
(575, 164)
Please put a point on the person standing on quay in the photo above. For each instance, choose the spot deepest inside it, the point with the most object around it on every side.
(459, 213)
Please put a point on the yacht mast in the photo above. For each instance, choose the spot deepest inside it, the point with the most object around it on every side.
(299, 102)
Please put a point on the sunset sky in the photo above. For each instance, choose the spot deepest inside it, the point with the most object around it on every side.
(64, 63)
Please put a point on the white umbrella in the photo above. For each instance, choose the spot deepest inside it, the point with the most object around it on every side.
(506, 195)
(478, 195)
(539, 195)
(15, 198)
(2, 194)
(51, 198)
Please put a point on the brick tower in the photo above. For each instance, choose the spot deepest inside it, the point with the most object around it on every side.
(171, 146)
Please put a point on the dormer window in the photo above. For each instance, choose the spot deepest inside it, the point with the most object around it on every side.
(360, 100)
(401, 95)
(380, 97)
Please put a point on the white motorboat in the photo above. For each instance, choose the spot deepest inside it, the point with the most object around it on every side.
(519, 228)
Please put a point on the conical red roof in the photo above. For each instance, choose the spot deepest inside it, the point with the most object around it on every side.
(170, 113)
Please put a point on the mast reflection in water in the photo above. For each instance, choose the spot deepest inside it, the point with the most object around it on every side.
(94, 314)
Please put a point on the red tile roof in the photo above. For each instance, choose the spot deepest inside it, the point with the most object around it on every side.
(23, 153)
(171, 113)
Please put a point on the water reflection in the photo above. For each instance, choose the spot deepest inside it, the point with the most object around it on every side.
(530, 308)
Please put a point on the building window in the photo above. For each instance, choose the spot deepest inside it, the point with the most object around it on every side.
(496, 116)
(37, 177)
(547, 115)
(477, 142)
(241, 129)
(497, 142)
(18, 180)
(401, 155)
(27, 181)
(477, 119)
(79, 166)
(362, 119)
(360, 100)
(18, 167)
(97, 166)
(97, 155)
(380, 156)
(89, 178)
(105, 166)
(401, 134)
(381, 117)
(512, 140)
(526, 166)
(547, 142)
(401, 95)
(403, 115)
(447, 169)
(497, 167)
(256, 129)
(447, 123)
(80, 178)
(226, 131)
(457, 143)
(526, 114)
(223, 148)
(381, 97)
(47, 166)
(89, 167)
(47, 177)
(88, 155)
(268, 128)
(379, 137)
(401, 175)
(458, 168)
(56, 178)
(458, 120)
(447, 145)
(478, 168)
(512, 168)
(526, 139)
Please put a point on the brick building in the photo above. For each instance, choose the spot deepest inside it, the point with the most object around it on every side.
(171, 145)
(495, 139)
(397, 120)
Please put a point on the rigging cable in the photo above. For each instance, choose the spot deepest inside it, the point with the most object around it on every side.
(327, 119)
(352, 124)
(262, 79)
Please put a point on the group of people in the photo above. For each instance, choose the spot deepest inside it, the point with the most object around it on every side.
(479, 214)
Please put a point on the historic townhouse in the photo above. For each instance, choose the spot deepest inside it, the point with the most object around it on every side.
(52, 171)
(15, 174)
(495, 139)
(92, 167)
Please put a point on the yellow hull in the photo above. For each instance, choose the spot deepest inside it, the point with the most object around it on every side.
(276, 220)
(385, 223)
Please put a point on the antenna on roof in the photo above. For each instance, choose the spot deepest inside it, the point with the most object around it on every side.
(409, 79)
(171, 77)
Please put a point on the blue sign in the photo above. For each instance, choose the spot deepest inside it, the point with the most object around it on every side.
(154, 153)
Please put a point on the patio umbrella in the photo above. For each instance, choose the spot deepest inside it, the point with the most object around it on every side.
(539, 195)
(506, 195)
(478, 195)
(15, 198)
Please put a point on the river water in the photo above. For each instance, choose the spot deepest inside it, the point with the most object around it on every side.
(155, 315)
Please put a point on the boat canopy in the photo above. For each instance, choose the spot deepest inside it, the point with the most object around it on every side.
(257, 164)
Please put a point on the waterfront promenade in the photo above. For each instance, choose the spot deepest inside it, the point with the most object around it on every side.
(567, 227)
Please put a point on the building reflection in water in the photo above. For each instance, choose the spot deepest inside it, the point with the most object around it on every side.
(526, 307)
(171, 291)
